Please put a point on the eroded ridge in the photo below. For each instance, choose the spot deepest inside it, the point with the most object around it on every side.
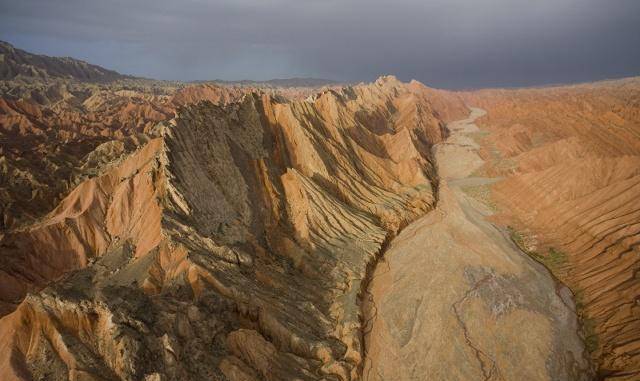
(230, 244)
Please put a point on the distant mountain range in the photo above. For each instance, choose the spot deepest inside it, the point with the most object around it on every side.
(280, 82)
(16, 63)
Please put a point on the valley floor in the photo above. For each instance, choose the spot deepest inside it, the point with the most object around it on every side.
(455, 299)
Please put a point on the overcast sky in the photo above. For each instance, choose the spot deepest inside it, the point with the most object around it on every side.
(442, 43)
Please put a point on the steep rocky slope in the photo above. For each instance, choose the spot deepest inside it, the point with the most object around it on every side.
(230, 242)
(570, 157)
(58, 134)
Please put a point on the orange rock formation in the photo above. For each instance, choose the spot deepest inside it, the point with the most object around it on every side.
(231, 239)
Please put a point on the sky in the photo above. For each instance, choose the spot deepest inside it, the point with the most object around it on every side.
(442, 43)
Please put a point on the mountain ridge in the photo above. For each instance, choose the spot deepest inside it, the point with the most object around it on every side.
(17, 63)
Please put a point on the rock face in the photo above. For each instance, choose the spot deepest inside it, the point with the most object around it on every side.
(455, 299)
(230, 243)
(57, 133)
(570, 158)
(54, 135)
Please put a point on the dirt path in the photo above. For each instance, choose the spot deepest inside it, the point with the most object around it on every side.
(454, 298)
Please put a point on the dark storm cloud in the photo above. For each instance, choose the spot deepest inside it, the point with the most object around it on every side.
(453, 43)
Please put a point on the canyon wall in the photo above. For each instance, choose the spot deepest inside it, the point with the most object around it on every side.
(229, 241)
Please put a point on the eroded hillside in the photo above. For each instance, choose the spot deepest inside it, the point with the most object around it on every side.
(230, 241)
(456, 299)
(570, 159)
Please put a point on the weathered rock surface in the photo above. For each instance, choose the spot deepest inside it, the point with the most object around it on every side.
(57, 133)
(455, 299)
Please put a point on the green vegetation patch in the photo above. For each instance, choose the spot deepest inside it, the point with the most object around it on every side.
(481, 193)
(587, 324)
(555, 261)
(518, 238)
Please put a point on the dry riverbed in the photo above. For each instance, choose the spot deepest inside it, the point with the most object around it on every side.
(455, 299)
